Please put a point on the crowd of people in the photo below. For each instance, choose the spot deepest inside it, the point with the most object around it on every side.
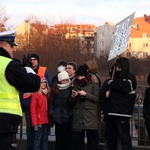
(73, 101)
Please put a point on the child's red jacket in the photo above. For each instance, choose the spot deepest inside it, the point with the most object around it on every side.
(39, 109)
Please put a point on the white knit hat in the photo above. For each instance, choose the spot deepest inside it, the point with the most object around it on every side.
(63, 75)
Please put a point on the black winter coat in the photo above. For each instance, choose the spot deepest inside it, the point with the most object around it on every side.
(122, 90)
(146, 106)
(60, 109)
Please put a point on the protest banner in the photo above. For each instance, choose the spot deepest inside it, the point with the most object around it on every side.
(121, 37)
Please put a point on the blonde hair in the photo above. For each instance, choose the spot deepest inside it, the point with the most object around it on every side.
(48, 88)
(92, 66)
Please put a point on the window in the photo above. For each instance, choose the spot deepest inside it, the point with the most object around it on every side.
(145, 44)
(145, 55)
(102, 43)
(129, 45)
(91, 50)
(101, 34)
(128, 54)
(92, 43)
(137, 26)
(145, 34)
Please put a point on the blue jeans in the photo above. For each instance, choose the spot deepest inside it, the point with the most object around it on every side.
(41, 138)
(29, 131)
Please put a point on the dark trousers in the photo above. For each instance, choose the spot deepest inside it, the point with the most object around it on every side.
(97, 137)
(8, 129)
(8, 141)
(29, 131)
(78, 140)
(41, 138)
(148, 131)
(117, 128)
(63, 136)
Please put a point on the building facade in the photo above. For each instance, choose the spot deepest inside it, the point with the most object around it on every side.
(139, 41)
(103, 39)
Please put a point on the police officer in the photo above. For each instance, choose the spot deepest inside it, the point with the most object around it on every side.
(13, 78)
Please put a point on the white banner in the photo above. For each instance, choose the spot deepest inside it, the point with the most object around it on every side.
(121, 37)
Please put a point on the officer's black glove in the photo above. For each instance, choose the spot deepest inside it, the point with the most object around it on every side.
(26, 61)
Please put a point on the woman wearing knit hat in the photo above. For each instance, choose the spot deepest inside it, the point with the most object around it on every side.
(60, 111)
(84, 99)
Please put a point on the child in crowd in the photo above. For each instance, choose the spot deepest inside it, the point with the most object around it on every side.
(39, 115)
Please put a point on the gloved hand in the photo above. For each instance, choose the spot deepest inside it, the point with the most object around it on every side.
(35, 128)
(26, 61)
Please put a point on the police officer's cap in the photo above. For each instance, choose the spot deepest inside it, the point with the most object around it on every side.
(8, 36)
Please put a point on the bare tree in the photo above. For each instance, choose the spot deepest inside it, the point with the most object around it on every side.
(51, 45)
(3, 18)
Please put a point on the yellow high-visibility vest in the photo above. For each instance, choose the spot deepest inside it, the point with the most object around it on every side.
(9, 96)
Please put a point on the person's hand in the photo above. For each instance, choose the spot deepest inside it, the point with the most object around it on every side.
(74, 93)
(82, 93)
(45, 91)
(107, 94)
(26, 61)
(35, 128)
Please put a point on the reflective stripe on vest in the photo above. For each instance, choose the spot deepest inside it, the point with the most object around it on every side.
(9, 96)
(26, 95)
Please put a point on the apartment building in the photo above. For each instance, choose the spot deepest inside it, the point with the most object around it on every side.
(103, 39)
(83, 32)
(139, 41)
(30, 30)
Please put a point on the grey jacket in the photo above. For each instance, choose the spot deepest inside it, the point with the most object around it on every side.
(85, 110)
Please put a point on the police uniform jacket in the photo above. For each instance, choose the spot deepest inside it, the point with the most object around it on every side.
(17, 76)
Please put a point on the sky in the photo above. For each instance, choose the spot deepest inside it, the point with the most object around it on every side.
(74, 11)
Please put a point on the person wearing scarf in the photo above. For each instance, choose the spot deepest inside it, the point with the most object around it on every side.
(60, 111)
(84, 99)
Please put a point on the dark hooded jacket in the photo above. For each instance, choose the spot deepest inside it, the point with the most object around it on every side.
(146, 103)
(122, 90)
